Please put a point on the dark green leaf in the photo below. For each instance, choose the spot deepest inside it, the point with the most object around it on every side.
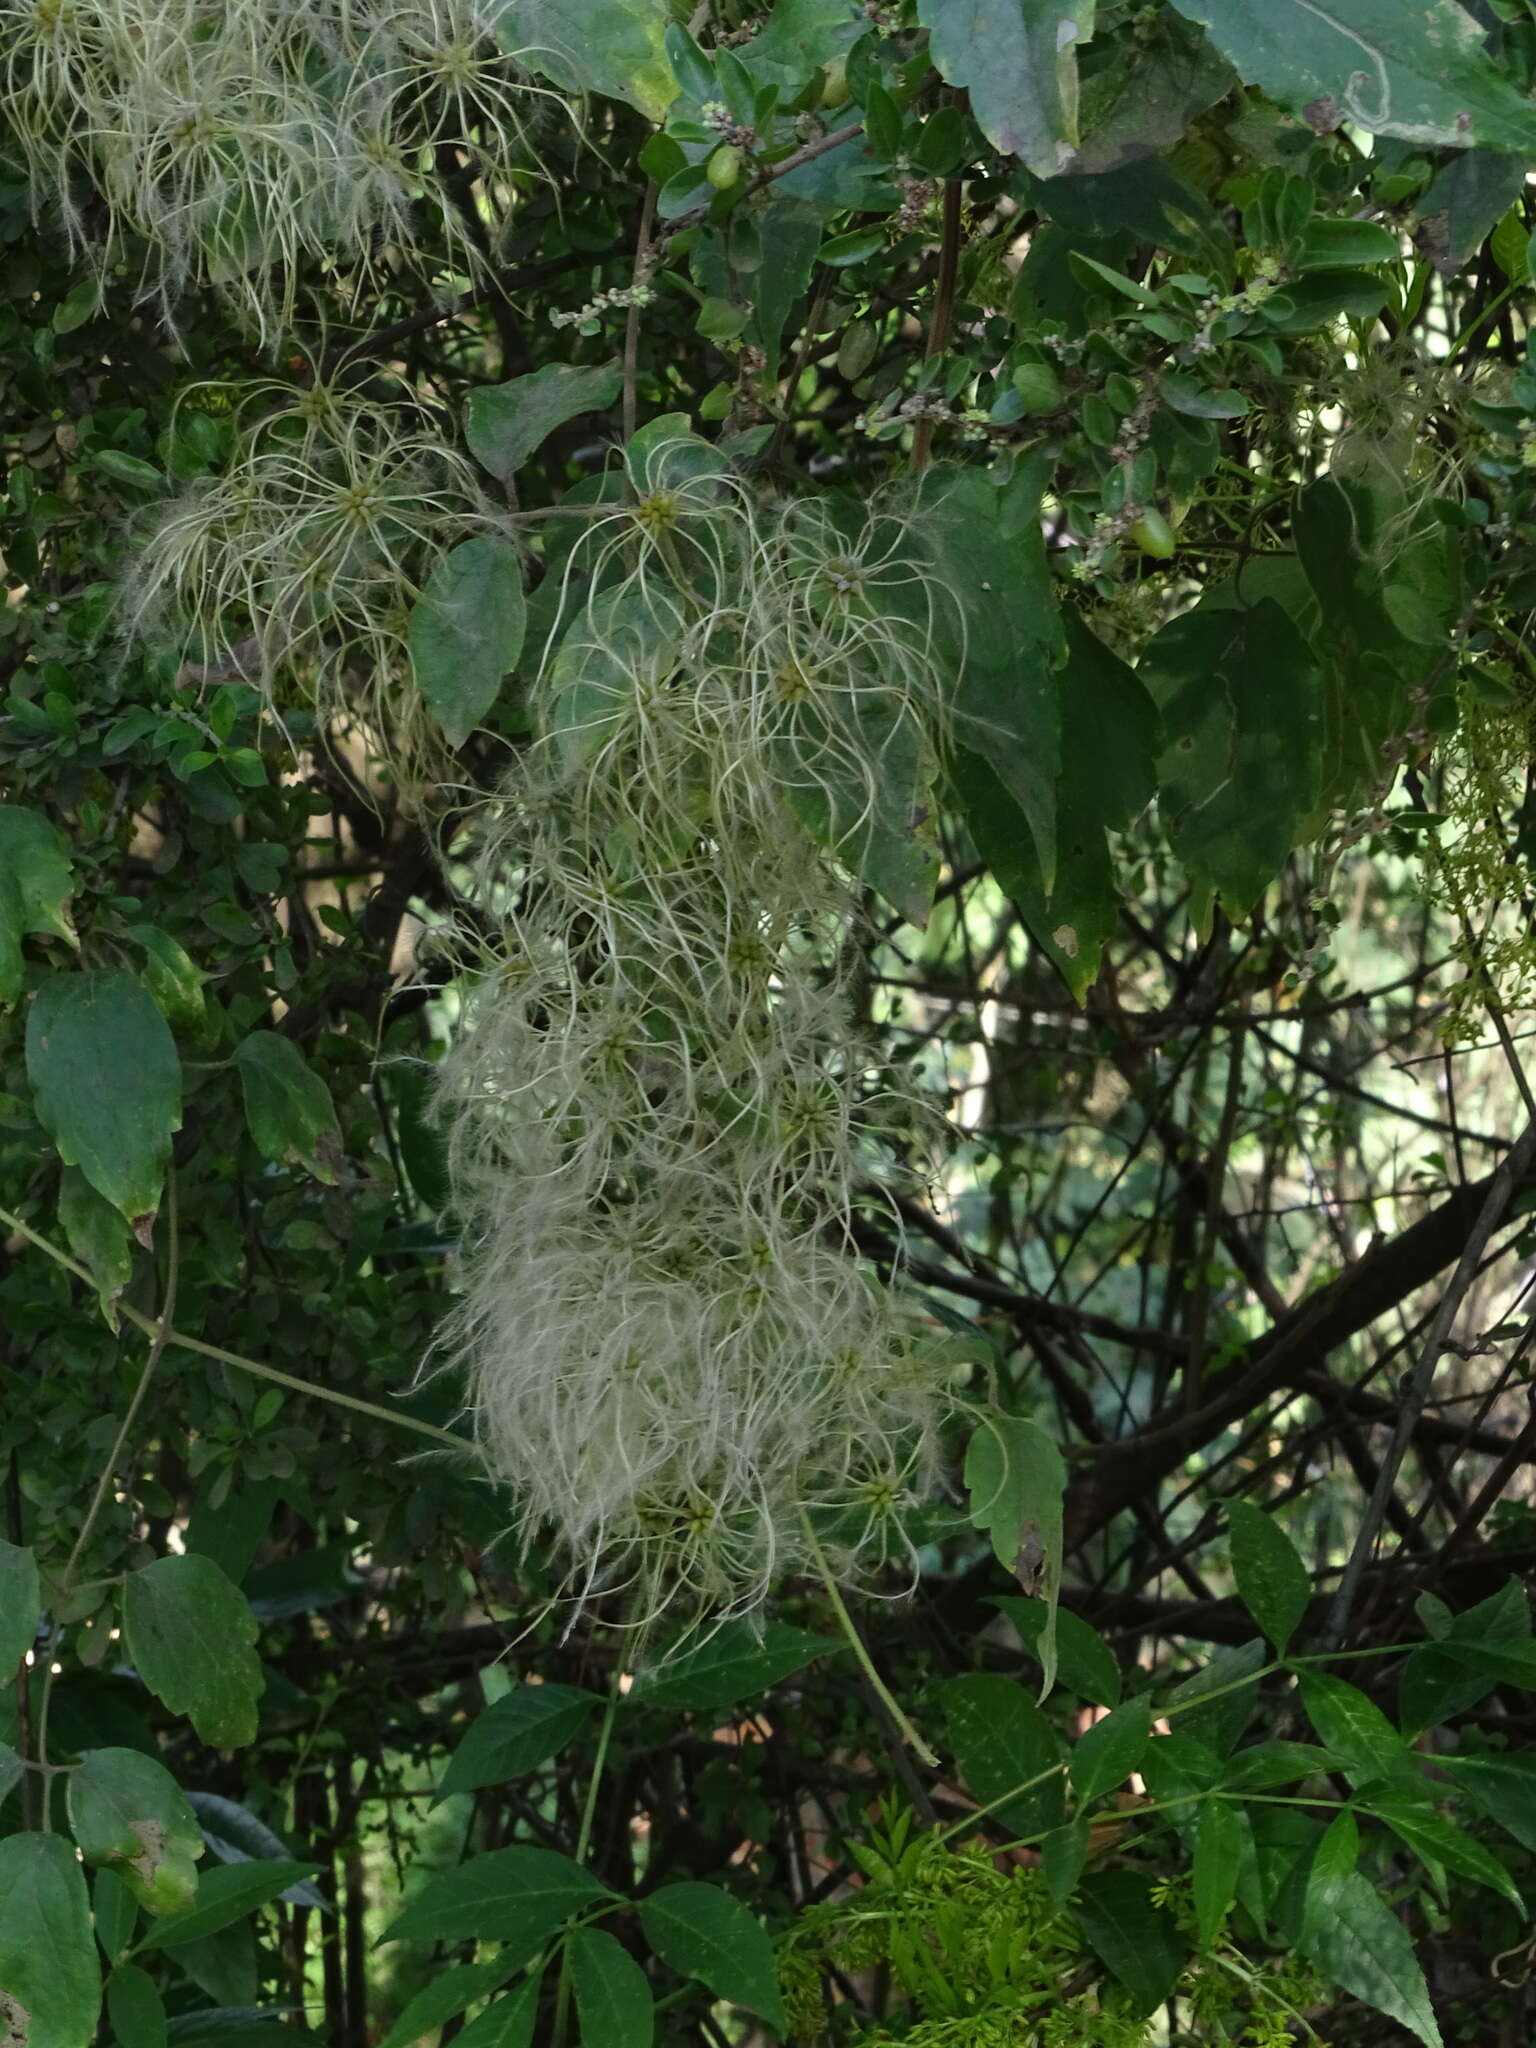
(700, 1931)
(1105, 1755)
(126, 1810)
(1085, 1664)
(508, 422)
(1136, 1941)
(1217, 1860)
(613, 1999)
(736, 1662)
(190, 1633)
(35, 885)
(521, 1894)
(1002, 1742)
(107, 1085)
(506, 2024)
(50, 1981)
(1214, 1705)
(225, 1895)
(98, 1236)
(21, 1604)
(1441, 1841)
(466, 632)
(1274, 1584)
(114, 1911)
(1354, 1729)
(1332, 244)
(515, 1735)
(135, 2008)
(444, 1996)
(1063, 1854)
(1503, 1786)
(1355, 1939)
(287, 1106)
(1267, 1764)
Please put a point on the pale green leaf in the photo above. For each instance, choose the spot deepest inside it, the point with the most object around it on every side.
(1018, 61)
(613, 47)
(1015, 1479)
(1356, 1940)
(127, 1811)
(1421, 72)
(224, 1896)
(508, 422)
(520, 1893)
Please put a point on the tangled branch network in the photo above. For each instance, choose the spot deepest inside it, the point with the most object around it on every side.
(663, 1118)
(224, 142)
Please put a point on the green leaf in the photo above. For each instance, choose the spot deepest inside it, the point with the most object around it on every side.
(1106, 1754)
(288, 1107)
(1355, 1729)
(1274, 1584)
(1109, 743)
(613, 1998)
(515, 1735)
(21, 1604)
(1359, 1944)
(11, 1770)
(1334, 244)
(115, 1912)
(1420, 72)
(613, 47)
(98, 1236)
(1230, 1679)
(50, 1981)
(700, 1931)
(1002, 1742)
(737, 1662)
(872, 820)
(798, 38)
(78, 305)
(35, 885)
(667, 455)
(1015, 1480)
(1441, 1841)
(1063, 1854)
(1085, 1664)
(620, 639)
(1018, 61)
(127, 1811)
(521, 1892)
(1465, 203)
(224, 1895)
(1503, 1786)
(1240, 697)
(506, 2024)
(444, 1996)
(135, 2008)
(996, 627)
(466, 632)
(1267, 1764)
(1136, 1941)
(107, 1084)
(508, 422)
(1217, 1859)
(190, 1634)
(172, 979)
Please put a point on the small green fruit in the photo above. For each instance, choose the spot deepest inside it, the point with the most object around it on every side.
(1153, 535)
(724, 167)
(834, 82)
(1038, 386)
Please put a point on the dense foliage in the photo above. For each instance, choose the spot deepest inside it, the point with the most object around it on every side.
(766, 840)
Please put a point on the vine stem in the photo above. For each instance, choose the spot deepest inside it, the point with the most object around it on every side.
(883, 1693)
(583, 1850)
(179, 1340)
(641, 272)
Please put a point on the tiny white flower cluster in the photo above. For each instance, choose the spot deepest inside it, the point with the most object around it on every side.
(587, 318)
(663, 1117)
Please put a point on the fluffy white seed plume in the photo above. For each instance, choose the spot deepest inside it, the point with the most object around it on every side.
(663, 1119)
